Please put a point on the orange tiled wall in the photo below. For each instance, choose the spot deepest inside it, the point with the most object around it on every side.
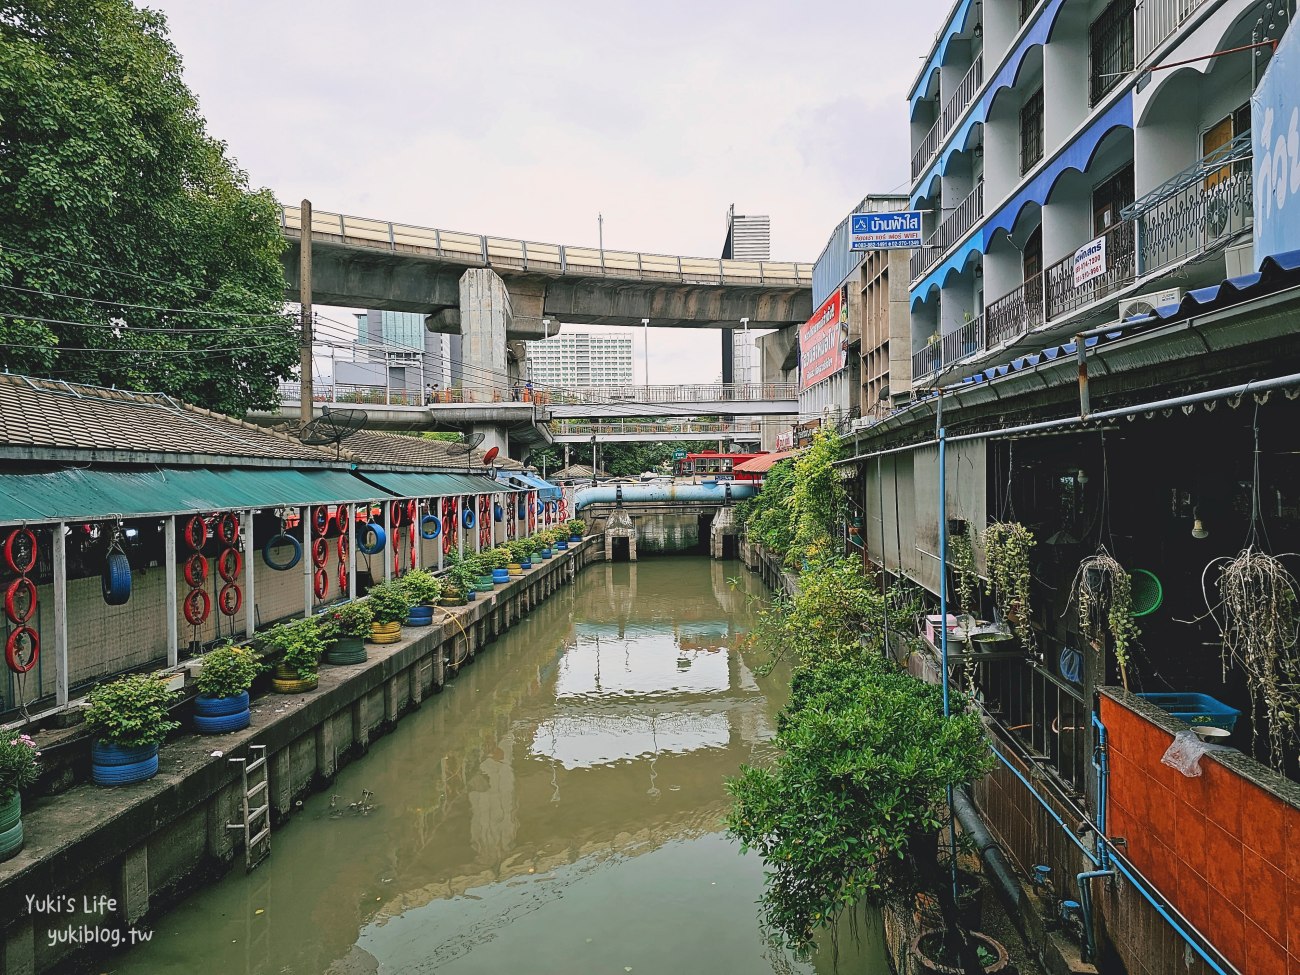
(1223, 851)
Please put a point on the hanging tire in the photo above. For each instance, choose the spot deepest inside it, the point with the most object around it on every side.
(230, 599)
(219, 707)
(341, 547)
(197, 607)
(196, 532)
(320, 552)
(14, 645)
(11, 841)
(27, 588)
(396, 509)
(124, 774)
(228, 529)
(226, 722)
(467, 518)
(276, 541)
(320, 583)
(320, 519)
(371, 538)
(343, 578)
(196, 571)
(115, 579)
(229, 564)
(20, 550)
(430, 527)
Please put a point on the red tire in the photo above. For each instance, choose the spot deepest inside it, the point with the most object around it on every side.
(196, 571)
(395, 511)
(228, 529)
(25, 585)
(413, 537)
(320, 552)
(196, 532)
(320, 583)
(343, 578)
(342, 548)
(446, 536)
(320, 519)
(229, 564)
(230, 599)
(20, 552)
(564, 510)
(14, 645)
(198, 607)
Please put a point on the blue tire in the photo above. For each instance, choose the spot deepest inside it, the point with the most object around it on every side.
(11, 841)
(430, 527)
(467, 518)
(115, 579)
(276, 541)
(107, 754)
(498, 512)
(371, 538)
(217, 707)
(124, 774)
(224, 722)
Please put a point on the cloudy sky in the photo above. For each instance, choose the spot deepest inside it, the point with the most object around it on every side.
(527, 119)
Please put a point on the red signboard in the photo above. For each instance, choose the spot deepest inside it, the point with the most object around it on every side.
(822, 351)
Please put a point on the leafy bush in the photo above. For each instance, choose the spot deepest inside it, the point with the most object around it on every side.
(389, 601)
(520, 549)
(18, 765)
(131, 711)
(816, 498)
(576, 526)
(497, 558)
(767, 518)
(228, 670)
(351, 619)
(421, 586)
(299, 644)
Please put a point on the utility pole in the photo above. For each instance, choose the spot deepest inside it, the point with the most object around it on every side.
(304, 295)
(600, 230)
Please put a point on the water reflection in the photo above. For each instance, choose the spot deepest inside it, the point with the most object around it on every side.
(557, 808)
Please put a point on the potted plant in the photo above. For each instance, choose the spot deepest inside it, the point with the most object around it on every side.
(299, 644)
(351, 624)
(1103, 592)
(462, 579)
(18, 770)
(222, 703)
(498, 560)
(127, 719)
(391, 606)
(519, 549)
(1006, 548)
(422, 588)
(576, 527)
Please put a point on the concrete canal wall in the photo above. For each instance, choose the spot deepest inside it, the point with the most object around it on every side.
(100, 862)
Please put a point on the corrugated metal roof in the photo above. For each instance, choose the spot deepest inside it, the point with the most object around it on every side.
(432, 485)
(763, 463)
(531, 482)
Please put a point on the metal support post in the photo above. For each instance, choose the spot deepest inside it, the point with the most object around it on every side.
(304, 519)
(350, 531)
(61, 614)
(250, 600)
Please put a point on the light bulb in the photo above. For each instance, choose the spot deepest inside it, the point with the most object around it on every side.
(1199, 530)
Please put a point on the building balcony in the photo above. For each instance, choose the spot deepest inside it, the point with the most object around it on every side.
(1155, 20)
(1208, 203)
(953, 108)
(953, 228)
(957, 345)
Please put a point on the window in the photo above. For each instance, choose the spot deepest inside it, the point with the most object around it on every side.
(1111, 43)
(1110, 197)
(1218, 135)
(1026, 8)
(1031, 131)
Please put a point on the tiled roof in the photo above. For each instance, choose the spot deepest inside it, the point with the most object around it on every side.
(43, 414)
(374, 447)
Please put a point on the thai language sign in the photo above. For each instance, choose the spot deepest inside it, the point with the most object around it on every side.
(877, 231)
(1090, 261)
(1275, 141)
(822, 348)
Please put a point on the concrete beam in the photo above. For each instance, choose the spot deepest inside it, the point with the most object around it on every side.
(359, 278)
(599, 302)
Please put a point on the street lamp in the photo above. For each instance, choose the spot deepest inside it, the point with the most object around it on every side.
(645, 324)
(593, 460)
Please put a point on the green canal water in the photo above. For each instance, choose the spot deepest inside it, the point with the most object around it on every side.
(556, 809)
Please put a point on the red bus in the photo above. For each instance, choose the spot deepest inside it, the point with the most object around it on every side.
(710, 463)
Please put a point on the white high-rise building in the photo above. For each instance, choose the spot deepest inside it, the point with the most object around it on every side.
(581, 359)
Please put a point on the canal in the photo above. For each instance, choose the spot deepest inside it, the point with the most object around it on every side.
(558, 808)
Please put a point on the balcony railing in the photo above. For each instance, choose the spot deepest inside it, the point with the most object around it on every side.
(962, 218)
(1063, 295)
(925, 361)
(924, 258)
(1016, 313)
(1210, 201)
(964, 342)
(961, 96)
(1154, 20)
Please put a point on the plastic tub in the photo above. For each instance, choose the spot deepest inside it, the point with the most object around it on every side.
(1195, 708)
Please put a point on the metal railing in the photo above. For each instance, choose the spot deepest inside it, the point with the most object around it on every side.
(926, 361)
(925, 257)
(1155, 20)
(962, 218)
(478, 250)
(581, 428)
(690, 393)
(963, 343)
(1015, 313)
(1063, 295)
(963, 94)
(1210, 201)
(368, 395)
(375, 395)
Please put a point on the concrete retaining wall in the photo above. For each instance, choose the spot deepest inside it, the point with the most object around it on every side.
(144, 845)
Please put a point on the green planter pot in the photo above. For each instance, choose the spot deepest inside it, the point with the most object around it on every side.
(484, 584)
(11, 826)
(346, 650)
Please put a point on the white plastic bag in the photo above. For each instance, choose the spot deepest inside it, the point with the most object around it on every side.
(1185, 753)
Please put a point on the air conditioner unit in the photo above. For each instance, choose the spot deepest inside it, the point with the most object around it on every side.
(1148, 303)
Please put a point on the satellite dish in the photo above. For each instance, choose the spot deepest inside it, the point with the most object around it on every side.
(332, 427)
(490, 456)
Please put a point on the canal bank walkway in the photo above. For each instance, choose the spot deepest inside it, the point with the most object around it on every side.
(99, 861)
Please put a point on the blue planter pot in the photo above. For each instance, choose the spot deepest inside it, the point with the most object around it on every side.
(217, 707)
(562, 546)
(115, 765)
(546, 553)
(526, 564)
(574, 539)
(222, 723)
(471, 596)
(420, 616)
(500, 576)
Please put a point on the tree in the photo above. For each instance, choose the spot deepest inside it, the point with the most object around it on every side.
(112, 197)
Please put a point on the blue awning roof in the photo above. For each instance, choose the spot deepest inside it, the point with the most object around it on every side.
(530, 482)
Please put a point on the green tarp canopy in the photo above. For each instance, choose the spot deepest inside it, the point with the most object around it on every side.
(411, 485)
(86, 495)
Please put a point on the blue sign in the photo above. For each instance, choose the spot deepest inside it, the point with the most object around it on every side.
(1275, 142)
(883, 231)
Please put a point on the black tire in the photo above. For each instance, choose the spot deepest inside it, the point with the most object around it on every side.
(115, 579)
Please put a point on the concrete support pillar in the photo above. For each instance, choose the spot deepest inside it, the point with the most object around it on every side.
(485, 317)
(133, 884)
(326, 751)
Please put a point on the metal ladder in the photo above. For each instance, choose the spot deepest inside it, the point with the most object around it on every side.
(257, 841)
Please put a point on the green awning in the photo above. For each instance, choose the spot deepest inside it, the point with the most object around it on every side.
(412, 485)
(88, 495)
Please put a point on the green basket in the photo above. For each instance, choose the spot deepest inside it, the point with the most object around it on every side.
(1148, 594)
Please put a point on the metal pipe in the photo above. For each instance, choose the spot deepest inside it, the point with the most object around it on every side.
(1085, 904)
(1081, 353)
(635, 493)
(1279, 382)
(1001, 872)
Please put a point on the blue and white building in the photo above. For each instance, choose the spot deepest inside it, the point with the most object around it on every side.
(1075, 158)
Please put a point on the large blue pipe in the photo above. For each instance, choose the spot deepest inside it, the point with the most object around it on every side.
(717, 493)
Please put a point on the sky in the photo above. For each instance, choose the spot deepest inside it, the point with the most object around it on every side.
(527, 120)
